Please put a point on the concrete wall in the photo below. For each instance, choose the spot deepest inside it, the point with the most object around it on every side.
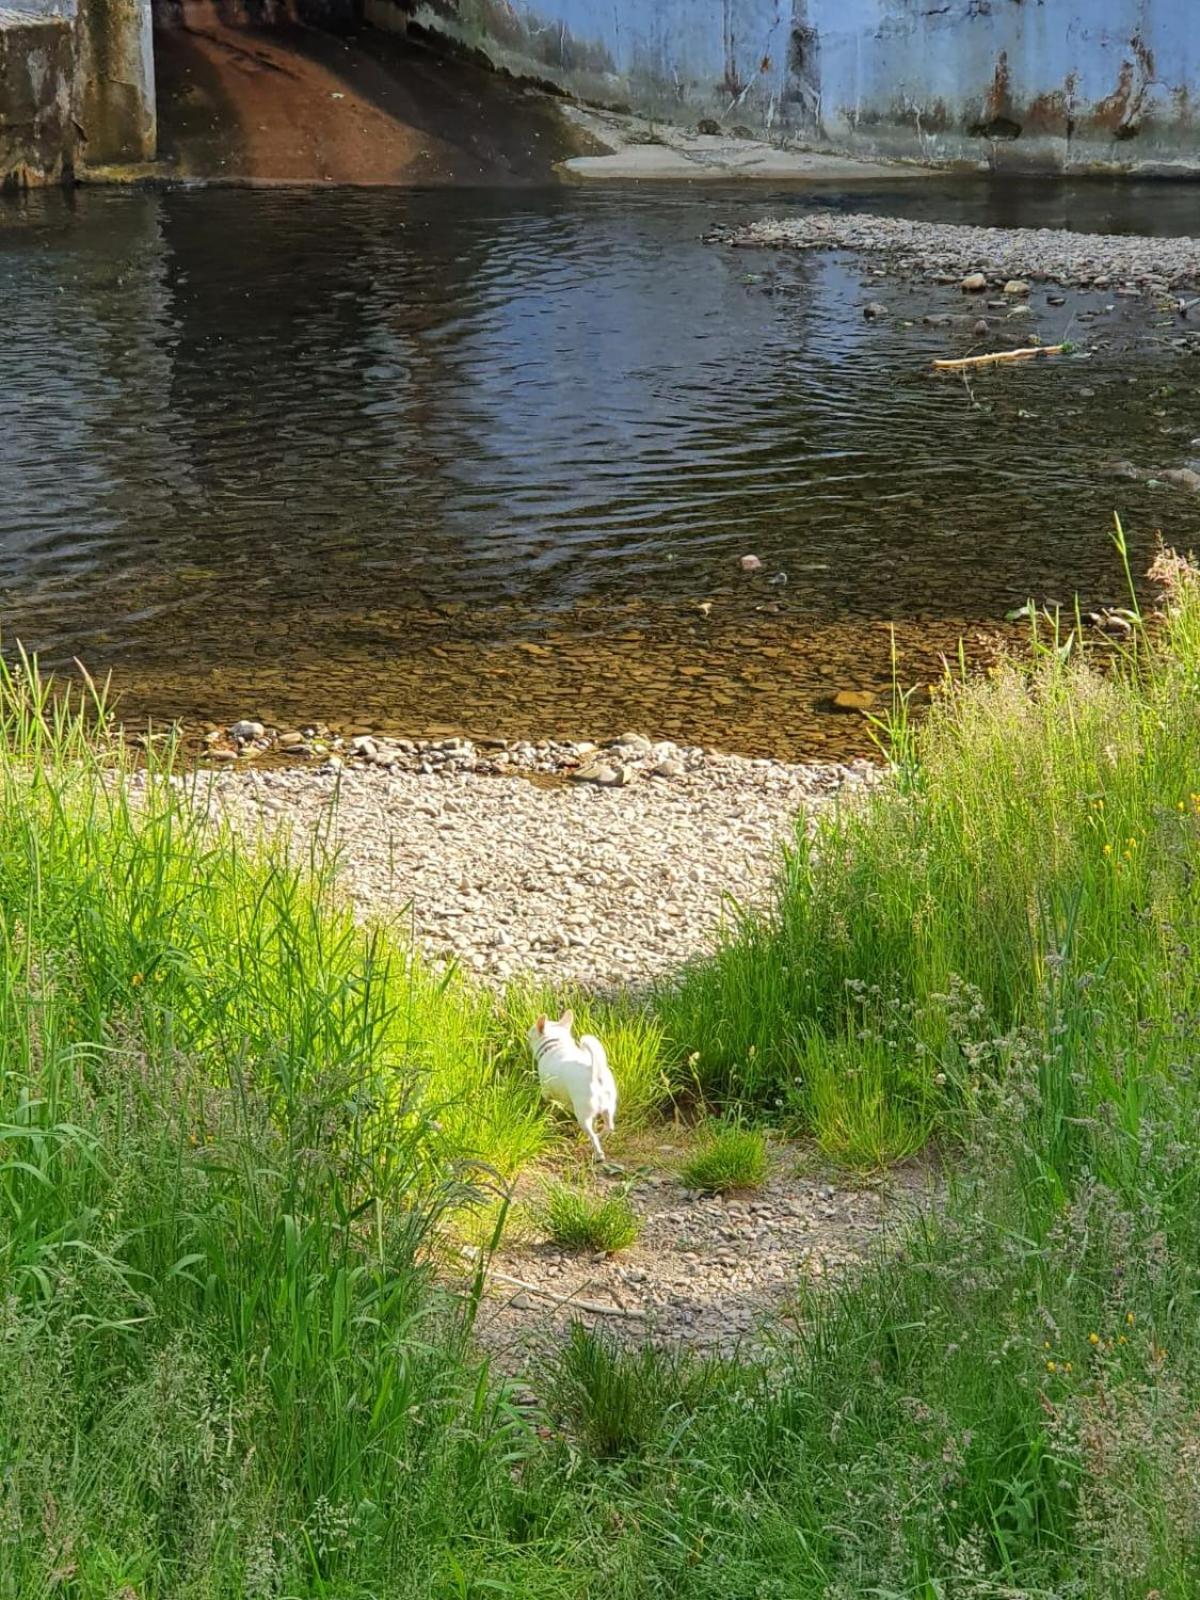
(1040, 84)
(76, 86)
(37, 76)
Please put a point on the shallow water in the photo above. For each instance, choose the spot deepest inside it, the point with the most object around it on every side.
(473, 460)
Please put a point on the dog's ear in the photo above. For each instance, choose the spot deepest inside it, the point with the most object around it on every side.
(540, 1024)
(568, 1019)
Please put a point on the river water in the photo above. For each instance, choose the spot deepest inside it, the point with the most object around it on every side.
(475, 461)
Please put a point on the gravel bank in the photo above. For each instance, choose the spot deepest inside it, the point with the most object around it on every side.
(570, 864)
(946, 251)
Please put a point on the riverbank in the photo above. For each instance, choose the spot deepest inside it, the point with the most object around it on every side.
(257, 1331)
(946, 252)
(568, 863)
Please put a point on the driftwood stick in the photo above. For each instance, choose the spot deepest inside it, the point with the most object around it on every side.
(1029, 354)
(566, 1299)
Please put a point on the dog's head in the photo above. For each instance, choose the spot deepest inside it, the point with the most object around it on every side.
(550, 1028)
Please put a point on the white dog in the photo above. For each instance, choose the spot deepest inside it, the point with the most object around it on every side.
(575, 1076)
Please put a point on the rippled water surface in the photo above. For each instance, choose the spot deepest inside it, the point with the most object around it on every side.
(476, 461)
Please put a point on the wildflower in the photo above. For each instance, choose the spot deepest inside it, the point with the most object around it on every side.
(1093, 1338)
(1130, 1319)
(1052, 1366)
(137, 980)
(159, 975)
(1108, 849)
(1179, 806)
(1121, 1339)
(1066, 1366)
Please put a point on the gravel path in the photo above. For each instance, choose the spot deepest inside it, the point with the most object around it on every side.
(951, 251)
(710, 1272)
(569, 864)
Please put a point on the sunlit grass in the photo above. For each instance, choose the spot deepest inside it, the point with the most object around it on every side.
(727, 1159)
(577, 1219)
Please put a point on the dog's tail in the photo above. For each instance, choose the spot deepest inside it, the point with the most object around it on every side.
(595, 1053)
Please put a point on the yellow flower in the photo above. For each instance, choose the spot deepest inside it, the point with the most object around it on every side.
(137, 980)
(1052, 1366)
(1130, 1319)
(1108, 849)
(1093, 1338)
(1132, 843)
(1179, 805)
(1046, 1346)
(1066, 1366)
(1121, 1339)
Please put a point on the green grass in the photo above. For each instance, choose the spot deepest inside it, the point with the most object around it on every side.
(227, 1368)
(728, 1159)
(578, 1220)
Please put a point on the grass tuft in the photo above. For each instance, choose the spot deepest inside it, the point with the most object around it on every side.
(619, 1402)
(729, 1159)
(579, 1220)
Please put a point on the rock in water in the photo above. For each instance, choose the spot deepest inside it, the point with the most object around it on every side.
(874, 311)
(750, 564)
(854, 700)
(245, 729)
(974, 283)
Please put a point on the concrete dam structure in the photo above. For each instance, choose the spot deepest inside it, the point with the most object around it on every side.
(1049, 85)
(1011, 85)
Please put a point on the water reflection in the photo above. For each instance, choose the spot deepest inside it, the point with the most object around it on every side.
(473, 460)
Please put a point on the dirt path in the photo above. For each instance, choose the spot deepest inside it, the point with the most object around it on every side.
(710, 1273)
